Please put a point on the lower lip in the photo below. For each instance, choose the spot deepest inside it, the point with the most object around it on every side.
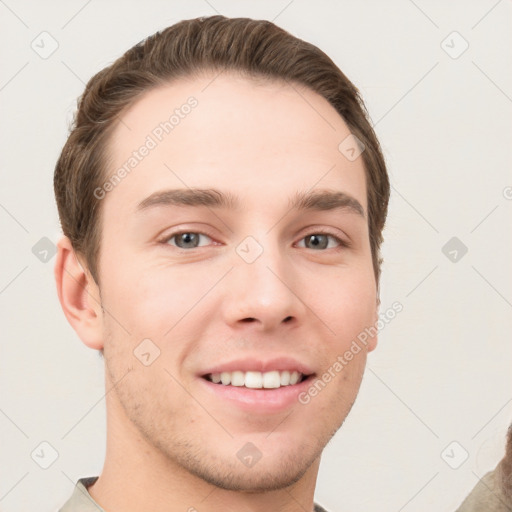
(263, 401)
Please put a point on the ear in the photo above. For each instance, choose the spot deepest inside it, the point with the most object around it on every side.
(78, 295)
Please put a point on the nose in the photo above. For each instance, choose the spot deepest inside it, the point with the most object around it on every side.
(264, 292)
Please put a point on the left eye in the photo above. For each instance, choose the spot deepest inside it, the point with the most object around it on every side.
(321, 241)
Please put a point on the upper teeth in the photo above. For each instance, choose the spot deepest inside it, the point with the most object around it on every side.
(257, 380)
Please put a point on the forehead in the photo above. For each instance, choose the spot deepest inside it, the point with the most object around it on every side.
(234, 133)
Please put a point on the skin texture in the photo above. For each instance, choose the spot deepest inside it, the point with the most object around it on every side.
(175, 444)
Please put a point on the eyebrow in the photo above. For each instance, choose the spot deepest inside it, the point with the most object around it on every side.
(318, 200)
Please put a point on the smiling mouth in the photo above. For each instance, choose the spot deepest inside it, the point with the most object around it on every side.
(257, 380)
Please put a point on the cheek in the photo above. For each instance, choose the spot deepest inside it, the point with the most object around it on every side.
(334, 392)
(348, 307)
(150, 300)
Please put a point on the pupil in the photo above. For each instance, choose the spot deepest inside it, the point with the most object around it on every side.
(187, 238)
(315, 241)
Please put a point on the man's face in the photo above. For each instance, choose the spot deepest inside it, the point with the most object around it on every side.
(262, 287)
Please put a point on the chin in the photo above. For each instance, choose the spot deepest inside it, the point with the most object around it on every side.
(221, 465)
(267, 477)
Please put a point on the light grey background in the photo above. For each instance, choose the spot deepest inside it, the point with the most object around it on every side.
(441, 372)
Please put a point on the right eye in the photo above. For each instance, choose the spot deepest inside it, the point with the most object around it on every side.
(184, 239)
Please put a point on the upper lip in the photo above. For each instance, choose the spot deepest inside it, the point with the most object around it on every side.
(260, 365)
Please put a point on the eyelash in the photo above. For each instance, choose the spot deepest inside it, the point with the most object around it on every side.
(342, 243)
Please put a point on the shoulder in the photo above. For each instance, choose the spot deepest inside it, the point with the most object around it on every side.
(486, 495)
(81, 500)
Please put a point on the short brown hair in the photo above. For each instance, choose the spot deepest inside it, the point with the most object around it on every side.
(253, 48)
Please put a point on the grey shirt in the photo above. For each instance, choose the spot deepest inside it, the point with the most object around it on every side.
(81, 500)
(487, 496)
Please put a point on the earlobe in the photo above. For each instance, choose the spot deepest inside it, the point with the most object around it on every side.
(78, 296)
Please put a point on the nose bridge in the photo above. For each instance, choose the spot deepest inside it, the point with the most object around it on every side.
(261, 284)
